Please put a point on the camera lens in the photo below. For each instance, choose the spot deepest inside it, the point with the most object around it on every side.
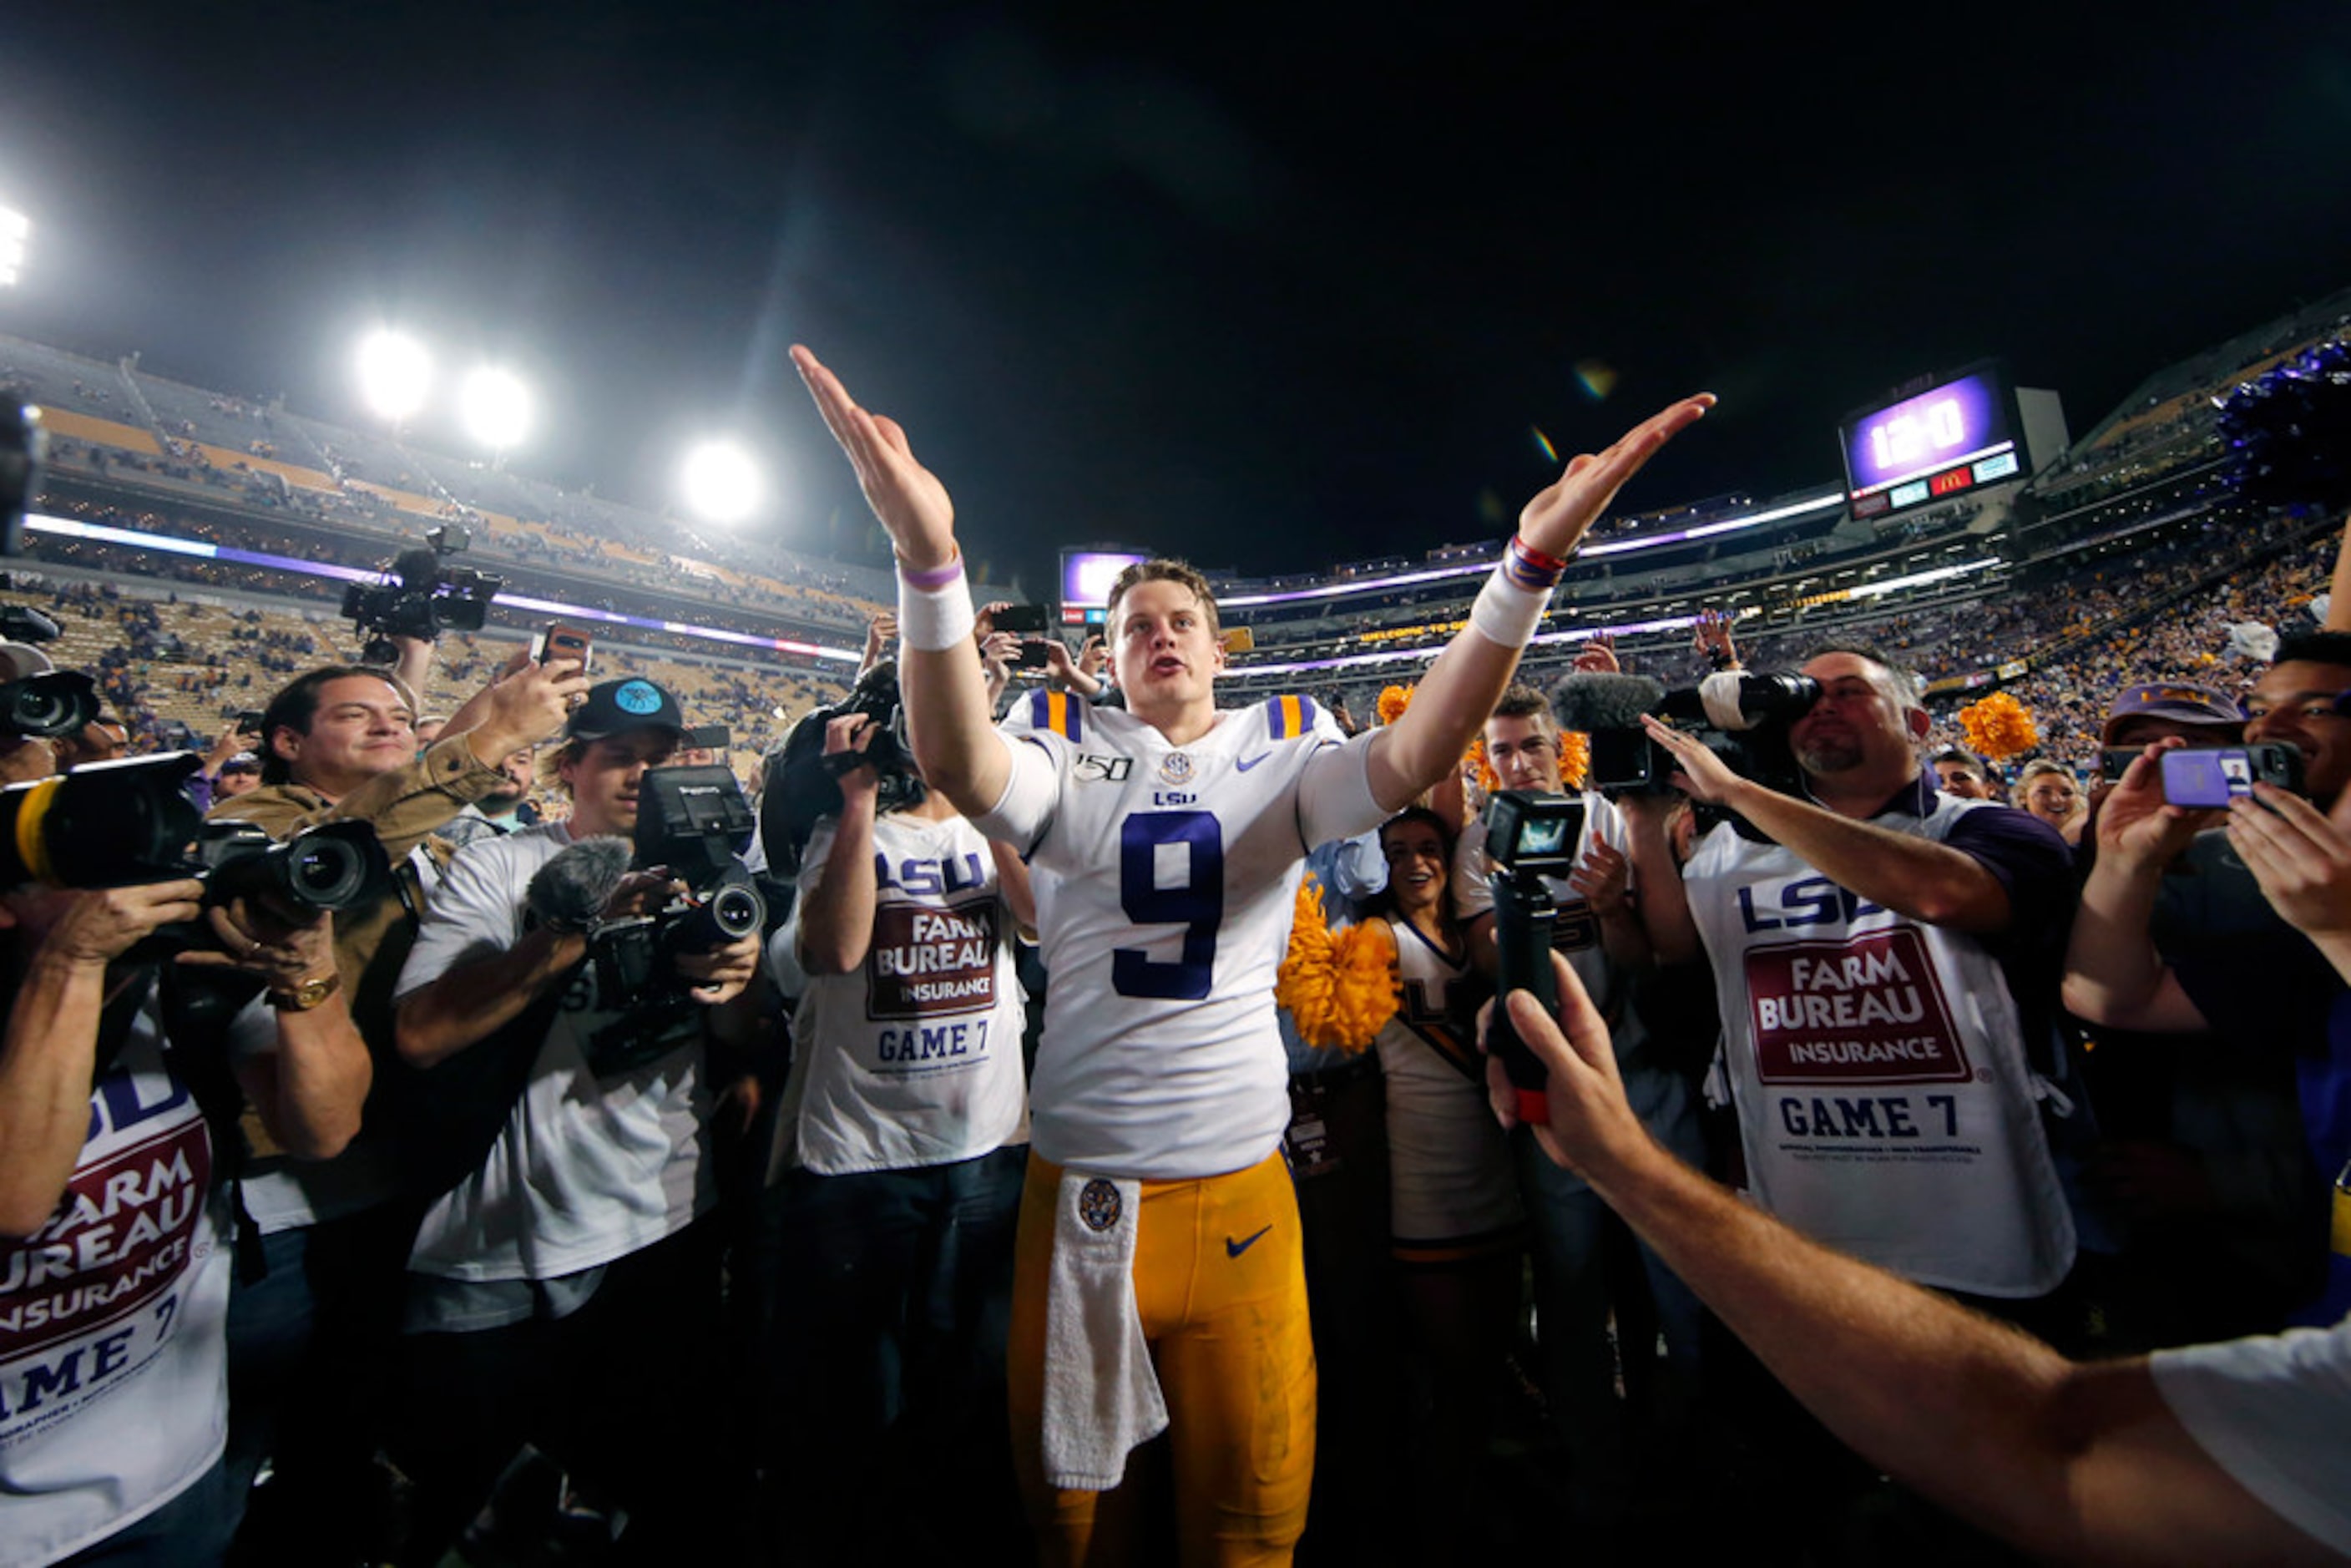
(737, 911)
(325, 874)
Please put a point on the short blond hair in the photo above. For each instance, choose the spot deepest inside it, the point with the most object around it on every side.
(1164, 568)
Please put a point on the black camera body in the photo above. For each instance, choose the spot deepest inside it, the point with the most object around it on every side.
(695, 824)
(420, 595)
(1742, 717)
(1530, 836)
(801, 787)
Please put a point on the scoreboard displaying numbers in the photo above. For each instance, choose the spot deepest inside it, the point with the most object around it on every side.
(1958, 433)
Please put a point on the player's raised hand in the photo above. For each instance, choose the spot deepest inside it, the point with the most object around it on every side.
(913, 506)
(1555, 521)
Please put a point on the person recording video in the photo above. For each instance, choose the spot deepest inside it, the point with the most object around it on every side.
(1883, 956)
(570, 1247)
(899, 1152)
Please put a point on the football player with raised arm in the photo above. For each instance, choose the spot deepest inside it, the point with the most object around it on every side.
(1159, 1278)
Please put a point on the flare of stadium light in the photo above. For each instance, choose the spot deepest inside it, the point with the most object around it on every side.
(496, 407)
(395, 372)
(16, 240)
(722, 483)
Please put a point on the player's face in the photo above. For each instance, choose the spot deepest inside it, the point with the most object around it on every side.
(605, 777)
(1523, 751)
(1417, 869)
(2294, 704)
(362, 731)
(1168, 655)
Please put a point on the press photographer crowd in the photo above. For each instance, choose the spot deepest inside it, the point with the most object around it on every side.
(1011, 1106)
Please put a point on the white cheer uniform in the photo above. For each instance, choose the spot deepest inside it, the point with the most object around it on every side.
(1449, 1173)
(913, 1057)
(1884, 1099)
(1165, 878)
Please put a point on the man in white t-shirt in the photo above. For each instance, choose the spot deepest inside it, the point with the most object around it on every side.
(540, 1283)
(897, 1165)
(1159, 1279)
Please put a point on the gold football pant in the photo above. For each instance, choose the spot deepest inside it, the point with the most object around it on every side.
(1220, 1281)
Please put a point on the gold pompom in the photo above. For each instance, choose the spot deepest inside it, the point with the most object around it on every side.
(1999, 728)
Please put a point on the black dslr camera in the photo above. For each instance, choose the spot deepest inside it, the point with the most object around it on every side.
(1530, 835)
(420, 595)
(117, 824)
(695, 824)
(1740, 717)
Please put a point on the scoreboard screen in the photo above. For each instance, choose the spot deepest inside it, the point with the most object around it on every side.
(1954, 437)
(1086, 579)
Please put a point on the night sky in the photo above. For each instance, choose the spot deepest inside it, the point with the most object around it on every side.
(1275, 287)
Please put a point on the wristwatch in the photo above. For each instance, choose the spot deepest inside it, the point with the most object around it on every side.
(307, 994)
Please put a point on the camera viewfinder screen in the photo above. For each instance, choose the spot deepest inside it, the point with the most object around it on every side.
(1543, 836)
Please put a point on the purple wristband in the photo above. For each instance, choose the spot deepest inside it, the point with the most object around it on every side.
(930, 579)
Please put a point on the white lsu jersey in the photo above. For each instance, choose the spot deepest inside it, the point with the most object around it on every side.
(1165, 878)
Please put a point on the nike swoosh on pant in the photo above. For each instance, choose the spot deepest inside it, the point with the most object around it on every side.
(1235, 1249)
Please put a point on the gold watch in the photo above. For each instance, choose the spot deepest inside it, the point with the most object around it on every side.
(307, 994)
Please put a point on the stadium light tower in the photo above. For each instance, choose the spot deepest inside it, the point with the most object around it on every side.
(496, 409)
(722, 483)
(16, 239)
(394, 373)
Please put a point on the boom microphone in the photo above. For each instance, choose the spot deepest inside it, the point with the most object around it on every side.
(569, 892)
(1591, 700)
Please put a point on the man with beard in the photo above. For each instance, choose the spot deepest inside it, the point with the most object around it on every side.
(1883, 956)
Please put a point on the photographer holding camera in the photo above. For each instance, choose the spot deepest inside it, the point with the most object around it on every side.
(1884, 958)
(114, 1225)
(571, 1250)
(899, 1154)
(310, 1336)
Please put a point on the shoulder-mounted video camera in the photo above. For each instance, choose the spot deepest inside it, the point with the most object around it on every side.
(420, 595)
(804, 785)
(1739, 715)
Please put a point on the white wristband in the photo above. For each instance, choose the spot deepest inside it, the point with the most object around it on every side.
(933, 619)
(1507, 613)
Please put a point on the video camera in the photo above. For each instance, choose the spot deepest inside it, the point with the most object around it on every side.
(696, 823)
(420, 595)
(117, 824)
(1530, 836)
(1740, 717)
(804, 784)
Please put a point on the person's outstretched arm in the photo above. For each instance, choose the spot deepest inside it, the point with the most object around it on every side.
(2082, 1463)
(943, 687)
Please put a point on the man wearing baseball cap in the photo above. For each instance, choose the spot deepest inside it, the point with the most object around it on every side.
(579, 1246)
(2150, 712)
